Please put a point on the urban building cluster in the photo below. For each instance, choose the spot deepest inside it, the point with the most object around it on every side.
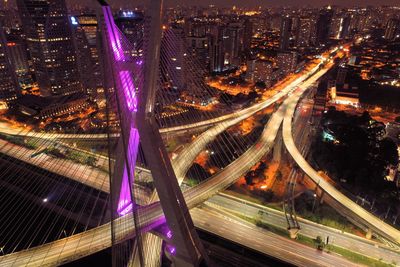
(273, 43)
(50, 51)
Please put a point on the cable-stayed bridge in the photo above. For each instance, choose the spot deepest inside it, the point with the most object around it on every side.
(132, 214)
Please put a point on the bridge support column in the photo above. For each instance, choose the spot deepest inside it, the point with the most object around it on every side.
(293, 232)
(321, 198)
(277, 152)
(368, 235)
(177, 261)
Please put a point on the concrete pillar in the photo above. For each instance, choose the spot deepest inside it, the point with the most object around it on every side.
(277, 152)
(293, 232)
(368, 235)
(321, 198)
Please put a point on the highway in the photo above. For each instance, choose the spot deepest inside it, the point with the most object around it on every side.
(251, 236)
(335, 198)
(65, 250)
(7, 128)
(184, 160)
(86, 243)
(308, 228)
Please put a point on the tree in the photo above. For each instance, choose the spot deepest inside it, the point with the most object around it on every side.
(260, 84)
(91, 161)
(249, 177)
(268, 195)
(279, 175)
(197, 172)
(252, 95)
(320, 244)
(365, 118)
(388, 151)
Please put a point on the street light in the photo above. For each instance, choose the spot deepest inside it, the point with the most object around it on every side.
(315, 199)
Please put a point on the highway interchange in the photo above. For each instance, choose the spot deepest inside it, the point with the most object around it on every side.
(94, 240)
(193, 197)
(335, 198)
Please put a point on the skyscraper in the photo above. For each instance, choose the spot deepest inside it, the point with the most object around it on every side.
(341, 76)
(340, 26)
(248, 35)
(87, 42)
(198, 40)
(8, 86)
(323, 25)
(131, 23)
(304, 31)
(286, 62)
(18, 55)
(174, 67)
(286, 25)
(345, 27)
(49, 39)
(233, 43)
(260, 70)
(392, 28)
(216, 50)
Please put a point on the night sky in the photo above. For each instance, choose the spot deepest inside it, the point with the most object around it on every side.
(267, 3)
(251, 3)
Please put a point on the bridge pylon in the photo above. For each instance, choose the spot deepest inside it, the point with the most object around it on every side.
(133, 91)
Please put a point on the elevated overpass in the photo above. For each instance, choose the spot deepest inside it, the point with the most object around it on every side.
(83, 244)
(86, 243)
(334, 197)
(94, 240)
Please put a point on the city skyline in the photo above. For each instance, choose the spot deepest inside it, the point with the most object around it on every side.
(256, 3)
(199, 136)
(244, 3)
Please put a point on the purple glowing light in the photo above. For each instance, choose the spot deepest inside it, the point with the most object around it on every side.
(129, 90)
(125, 76)
(125, 202)
(113, 35)
(126, 84)
(169, 234)
(172, 250)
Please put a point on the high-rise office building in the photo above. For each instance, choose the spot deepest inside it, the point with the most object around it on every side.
(247, 34)
(131, 24)
(174, 67)
(323, 25)
(345, 27)
(18, 55)
(198, 40)
(49, 39)
(233, 43)
(8, 85)
(275, 21)
(195, 28)
(286, 62)
(340, 26)
(198, 47)
(286, 25)
(87, 42)
(341, 75)
(259, 70)
(216, 50)
(392, 29)
(304, 31)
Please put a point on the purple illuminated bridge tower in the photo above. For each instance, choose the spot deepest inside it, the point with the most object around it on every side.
(134, 86)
